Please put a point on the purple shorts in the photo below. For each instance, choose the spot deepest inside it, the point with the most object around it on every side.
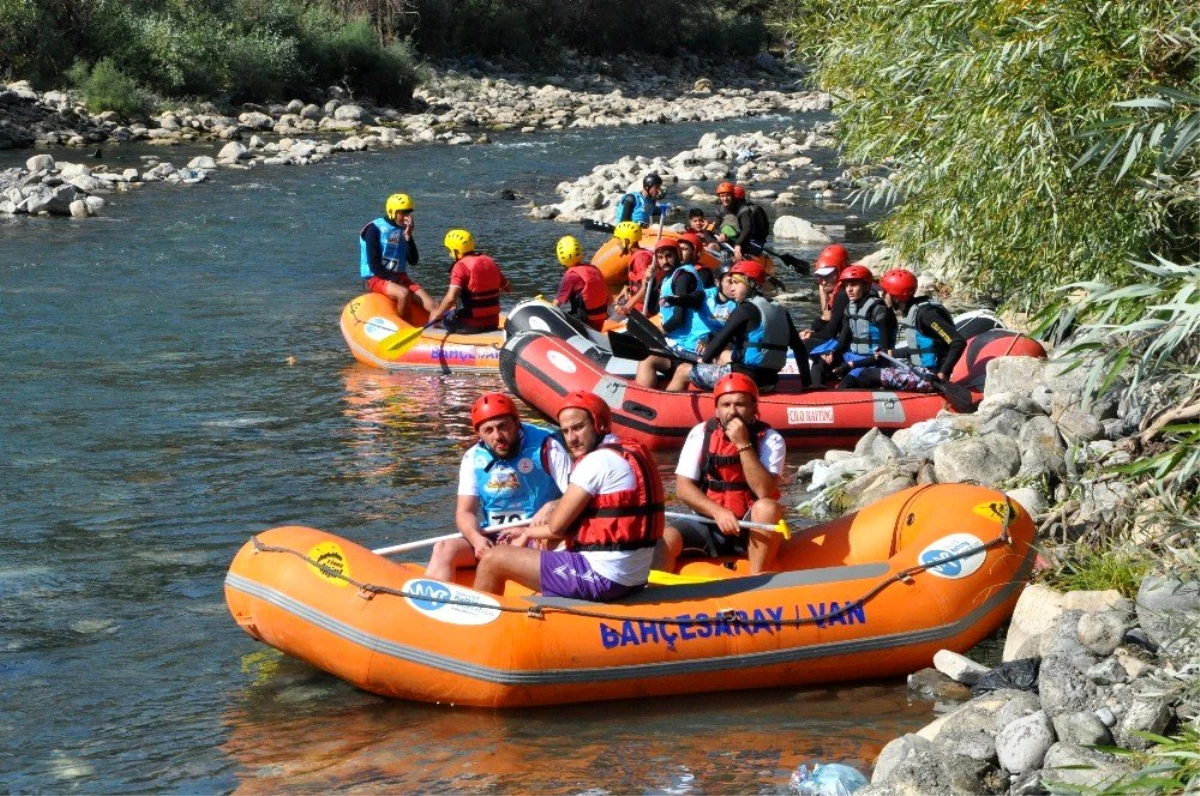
(568, 574)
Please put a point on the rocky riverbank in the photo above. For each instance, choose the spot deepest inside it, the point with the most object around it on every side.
(1081, 671)
(460, 104)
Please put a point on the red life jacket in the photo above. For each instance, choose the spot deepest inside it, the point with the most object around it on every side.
(629, 520)
(640, 262)
(481, 296)
(721, 475)
(594, 296)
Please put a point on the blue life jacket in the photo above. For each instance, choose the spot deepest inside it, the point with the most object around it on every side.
(716, 308)
(642, 208)
(687, 335)
(921, 349)
(766, 344)
(864, 334)
(516, 487)
(395, 249)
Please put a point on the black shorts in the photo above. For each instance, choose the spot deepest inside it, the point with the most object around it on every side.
(705, 539)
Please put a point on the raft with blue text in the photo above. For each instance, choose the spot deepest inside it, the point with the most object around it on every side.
(872, 594)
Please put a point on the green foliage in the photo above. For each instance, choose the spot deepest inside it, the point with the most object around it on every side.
(348, 53)
(1171, 766)
(107, 88)
(984, 109)
(1088, 568)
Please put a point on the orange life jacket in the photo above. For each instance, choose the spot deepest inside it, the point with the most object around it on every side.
(628, 520)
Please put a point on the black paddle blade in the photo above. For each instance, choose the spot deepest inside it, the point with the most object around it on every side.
(598, 226)
(798, 265)
(644, 329)
(958, 395)
(626, 346)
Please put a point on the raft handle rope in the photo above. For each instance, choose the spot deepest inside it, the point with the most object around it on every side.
(723, 615)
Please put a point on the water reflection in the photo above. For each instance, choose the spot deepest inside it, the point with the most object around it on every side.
(299, 731)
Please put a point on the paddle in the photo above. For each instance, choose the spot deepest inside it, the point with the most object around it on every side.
(644, 329)
(651, 276)
(779, 527)
(430, 542)
(958, 396)
(626, 346)
(404, 339)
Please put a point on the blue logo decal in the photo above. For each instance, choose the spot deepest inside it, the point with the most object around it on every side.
(949, 569)
(428, 595)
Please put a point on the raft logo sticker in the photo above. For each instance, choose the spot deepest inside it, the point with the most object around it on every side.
(997, 510)
(449, 603)
(558, 360)
(810, 415)
(378, 328)
(949, 547)
(333, 566)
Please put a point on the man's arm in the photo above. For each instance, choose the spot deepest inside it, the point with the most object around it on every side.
(569, 507)
(688, 490)
(739, 320)
(939, 325)
(885, 319)
(466, 519)
(798, 351)
(370, 236)
(625, 208)
(447, 303)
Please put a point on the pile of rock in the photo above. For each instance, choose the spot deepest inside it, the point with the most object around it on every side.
(1107, 670)
(760, 157)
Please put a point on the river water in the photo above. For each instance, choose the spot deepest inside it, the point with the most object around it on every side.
(173, 381)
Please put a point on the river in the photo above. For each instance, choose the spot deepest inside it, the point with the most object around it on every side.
(174, 381)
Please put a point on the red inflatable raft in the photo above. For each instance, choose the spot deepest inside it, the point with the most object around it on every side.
(541, 368)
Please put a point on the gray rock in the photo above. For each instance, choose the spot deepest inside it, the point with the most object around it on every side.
(1079, 425)
(1019, 375)
(1021, 745)
(1083, 728)
(1167, 607)
(959, 668)
(987, 460)
(896, 752)
(1074, 766)
(79, 209)
(1007, 422)
(876, 446)
(40, 163)
(1101, 632)
(922, 772)
(1042, 448)
(1107, 672)
(1146, 713)
(1037, 611)
(969, 731)
(1018, 704)
(1063, 688)
(932, 684)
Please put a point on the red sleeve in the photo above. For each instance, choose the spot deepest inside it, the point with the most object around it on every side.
(570, 283)
(460, 274)
(638, 264)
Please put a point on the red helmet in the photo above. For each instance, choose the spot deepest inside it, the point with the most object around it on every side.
(592, 404)
(834, 256)
(491, 405)
(725, 187)
(739, 192)
(691, 238)
(857, 272)
(750, 270)
(667, 243)
(735, 382)
(899, 284)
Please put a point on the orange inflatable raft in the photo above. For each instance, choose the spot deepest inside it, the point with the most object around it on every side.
(614, 263)
(370, 319)
(872, 594)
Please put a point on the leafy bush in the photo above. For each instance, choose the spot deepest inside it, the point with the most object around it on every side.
(350, 54)
(261, 66)
(983, 110)
(107, 88)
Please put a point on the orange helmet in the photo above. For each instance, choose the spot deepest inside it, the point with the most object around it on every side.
(834, 256)
(725, 187)
(735, 382)
(857, 273)
(692, 239)
(491, 405)
(592, 404)
(899, 284)
(750, 269)
(667, 243)
(739, 192)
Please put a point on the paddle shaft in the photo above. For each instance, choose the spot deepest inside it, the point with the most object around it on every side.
(679, 515)
(430, 542)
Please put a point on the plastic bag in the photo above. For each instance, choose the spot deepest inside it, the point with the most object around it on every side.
(830, 779)
(1021, 675)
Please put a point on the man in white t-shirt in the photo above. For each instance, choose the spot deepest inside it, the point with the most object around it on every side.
(611, 516)
(516, 471)
(729, 470)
